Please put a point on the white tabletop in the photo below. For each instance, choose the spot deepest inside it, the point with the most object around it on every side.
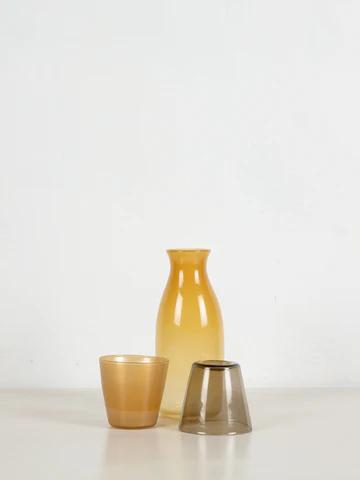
(63, 434)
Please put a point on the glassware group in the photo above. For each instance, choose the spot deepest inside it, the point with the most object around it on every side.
(189, 340)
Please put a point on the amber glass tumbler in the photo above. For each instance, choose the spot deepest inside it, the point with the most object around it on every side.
(133, 386)
(215, 401)
(189, 324)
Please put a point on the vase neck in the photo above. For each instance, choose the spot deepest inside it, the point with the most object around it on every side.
(189, 265)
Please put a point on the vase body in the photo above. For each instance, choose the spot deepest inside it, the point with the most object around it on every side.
(189, 324)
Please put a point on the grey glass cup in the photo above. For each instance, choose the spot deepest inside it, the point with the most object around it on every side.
(215, 400)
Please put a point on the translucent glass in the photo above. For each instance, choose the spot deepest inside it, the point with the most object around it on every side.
(215, 401)
(133, 386)
(189, 325)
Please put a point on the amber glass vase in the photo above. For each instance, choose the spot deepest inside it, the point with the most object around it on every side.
(189, 324)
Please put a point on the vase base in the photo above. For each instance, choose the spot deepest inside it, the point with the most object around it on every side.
(170, 413)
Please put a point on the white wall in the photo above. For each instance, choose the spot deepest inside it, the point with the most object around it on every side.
(132, 126)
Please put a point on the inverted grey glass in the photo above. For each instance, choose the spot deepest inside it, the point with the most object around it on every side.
(215, 400)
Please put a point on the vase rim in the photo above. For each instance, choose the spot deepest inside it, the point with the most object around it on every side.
(187, 250)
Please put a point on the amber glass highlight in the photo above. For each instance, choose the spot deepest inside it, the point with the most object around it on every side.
(189, 325)
(215, 401)
(133, 386)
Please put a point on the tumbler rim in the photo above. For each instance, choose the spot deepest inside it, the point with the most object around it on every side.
(126, 359)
